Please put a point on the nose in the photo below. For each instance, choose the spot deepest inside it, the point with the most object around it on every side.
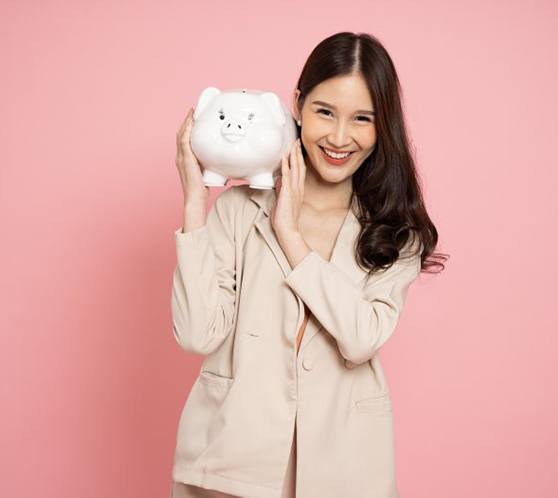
(339, 137)
(233, 128)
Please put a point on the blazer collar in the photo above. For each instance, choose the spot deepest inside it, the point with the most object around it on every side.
(343, 255)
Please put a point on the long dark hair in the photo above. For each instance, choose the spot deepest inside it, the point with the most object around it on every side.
(386, 184)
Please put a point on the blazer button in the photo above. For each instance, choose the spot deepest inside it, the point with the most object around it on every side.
(306, 364)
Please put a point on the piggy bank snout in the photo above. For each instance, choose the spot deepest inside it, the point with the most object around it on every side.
(233, 130)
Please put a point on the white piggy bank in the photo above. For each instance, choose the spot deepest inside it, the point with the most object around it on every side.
(241, 133)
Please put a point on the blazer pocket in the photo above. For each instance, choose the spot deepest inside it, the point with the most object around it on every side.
(215, 380)
(379, 403)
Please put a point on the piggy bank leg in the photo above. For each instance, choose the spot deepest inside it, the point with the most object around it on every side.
(212, 179)
(262, 181)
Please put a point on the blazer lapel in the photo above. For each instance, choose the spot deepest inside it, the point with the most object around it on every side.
(344, 250)
(265, 199)
(343, 255)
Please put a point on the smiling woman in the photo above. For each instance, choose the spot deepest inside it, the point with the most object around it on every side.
(292, 292)
(347, 100)
(338, 128)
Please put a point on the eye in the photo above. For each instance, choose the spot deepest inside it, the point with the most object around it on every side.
(221, 114)
(250, 116)
(324, 111)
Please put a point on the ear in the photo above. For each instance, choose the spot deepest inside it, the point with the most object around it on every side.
(205, 99)
(296, 96)
(272, 101)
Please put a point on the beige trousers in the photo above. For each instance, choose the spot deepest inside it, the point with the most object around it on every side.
(182, 490)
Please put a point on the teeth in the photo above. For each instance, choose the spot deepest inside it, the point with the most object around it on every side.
(335, 155)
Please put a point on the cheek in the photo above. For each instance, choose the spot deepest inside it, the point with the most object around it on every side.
(314, 128)
(368, 138)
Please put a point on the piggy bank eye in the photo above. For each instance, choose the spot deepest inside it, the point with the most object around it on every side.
(221, 114)
(250, 116)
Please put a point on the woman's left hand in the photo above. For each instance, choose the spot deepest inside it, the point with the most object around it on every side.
(285, 213)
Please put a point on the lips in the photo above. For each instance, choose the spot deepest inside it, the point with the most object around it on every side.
(335, 162)
(337, 152)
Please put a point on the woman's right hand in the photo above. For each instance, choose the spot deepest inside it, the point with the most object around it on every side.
(195, 191)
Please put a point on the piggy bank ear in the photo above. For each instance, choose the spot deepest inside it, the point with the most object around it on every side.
(205, 99)
(272, 101)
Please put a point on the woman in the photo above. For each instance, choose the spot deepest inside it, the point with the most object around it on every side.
(291, 292)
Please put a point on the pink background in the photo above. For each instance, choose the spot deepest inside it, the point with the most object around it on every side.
(93, 95)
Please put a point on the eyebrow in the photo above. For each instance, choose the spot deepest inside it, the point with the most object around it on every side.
(325, 104)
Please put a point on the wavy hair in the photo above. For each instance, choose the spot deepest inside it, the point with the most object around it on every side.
(386, 184)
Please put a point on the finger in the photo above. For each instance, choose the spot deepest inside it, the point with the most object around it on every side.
(302, 174)
(179, 155)
(179, 158)
(293, 160)
(187, 119)
(284, 167)
(180, 167)
(185, 140)
(184, 124)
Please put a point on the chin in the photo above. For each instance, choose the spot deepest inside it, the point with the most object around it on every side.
(333, 175)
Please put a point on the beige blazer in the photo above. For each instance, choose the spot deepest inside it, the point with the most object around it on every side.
(237, 301)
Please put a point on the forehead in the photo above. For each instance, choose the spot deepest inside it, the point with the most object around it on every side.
(344, 92)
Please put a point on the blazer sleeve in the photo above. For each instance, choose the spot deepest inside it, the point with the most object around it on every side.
(361, 319)
(204, 279)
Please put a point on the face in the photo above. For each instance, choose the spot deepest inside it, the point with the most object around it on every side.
(337, 115)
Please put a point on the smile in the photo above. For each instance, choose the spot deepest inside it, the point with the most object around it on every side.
(335, 158)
